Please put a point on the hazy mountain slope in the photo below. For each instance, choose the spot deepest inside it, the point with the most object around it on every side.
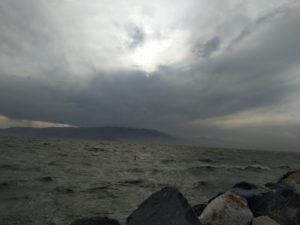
(105, 133)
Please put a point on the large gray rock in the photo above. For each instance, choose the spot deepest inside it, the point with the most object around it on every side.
(263, 220)
(227, 209)
(292, 176)
(292, 180)
(282, 203)
(95, 221)
(248, 190)
(165, 207)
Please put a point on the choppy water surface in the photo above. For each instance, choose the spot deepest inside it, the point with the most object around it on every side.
(51, 181)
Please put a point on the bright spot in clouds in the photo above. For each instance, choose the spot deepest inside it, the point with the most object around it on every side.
(156, 52)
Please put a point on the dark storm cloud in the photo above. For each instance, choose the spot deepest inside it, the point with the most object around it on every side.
(132, 98)
(39, 80)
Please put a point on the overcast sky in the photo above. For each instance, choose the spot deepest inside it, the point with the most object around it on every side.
(224, 72)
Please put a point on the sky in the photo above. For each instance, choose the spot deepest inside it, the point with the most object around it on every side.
(223, 73)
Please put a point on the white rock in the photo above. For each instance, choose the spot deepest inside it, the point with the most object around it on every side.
(227, 209)
(263, 220)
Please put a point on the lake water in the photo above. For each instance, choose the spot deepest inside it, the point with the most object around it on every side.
(55, 181)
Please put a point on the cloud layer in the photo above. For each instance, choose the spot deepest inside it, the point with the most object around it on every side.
(224, 71)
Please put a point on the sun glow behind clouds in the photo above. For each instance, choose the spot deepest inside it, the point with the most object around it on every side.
(163, 42)
(103, 30)
(82, 38)
(146, 57)
(156, 52)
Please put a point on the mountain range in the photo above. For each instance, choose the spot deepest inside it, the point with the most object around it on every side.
(100, 133)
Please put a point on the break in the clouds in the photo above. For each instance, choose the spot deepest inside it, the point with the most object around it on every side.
(224, 73)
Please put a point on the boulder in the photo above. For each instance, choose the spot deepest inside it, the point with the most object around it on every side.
(280, 202)
(292, 180)
(292, 176)
(227, 209)
(165, 207)
(263, 220)
(95, 221)
(248, 190)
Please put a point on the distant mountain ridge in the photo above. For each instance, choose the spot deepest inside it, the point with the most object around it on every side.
(101, 133)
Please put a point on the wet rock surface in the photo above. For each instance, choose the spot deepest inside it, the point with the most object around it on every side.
(281, 202)
(292, 180)
(227, 209)
(292, 176)
(167, 206)
(283, 205)
(263, 220)
(248, 190)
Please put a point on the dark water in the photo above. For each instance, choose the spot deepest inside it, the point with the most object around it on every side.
(50, 181)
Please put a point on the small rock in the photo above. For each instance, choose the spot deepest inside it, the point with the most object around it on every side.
(227, 209)
(263, 220)
(95, 221)
(165, 207)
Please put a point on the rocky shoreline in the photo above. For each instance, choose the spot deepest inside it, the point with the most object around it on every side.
(244, 204)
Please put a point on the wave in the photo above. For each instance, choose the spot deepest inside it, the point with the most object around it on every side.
(253, 167)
